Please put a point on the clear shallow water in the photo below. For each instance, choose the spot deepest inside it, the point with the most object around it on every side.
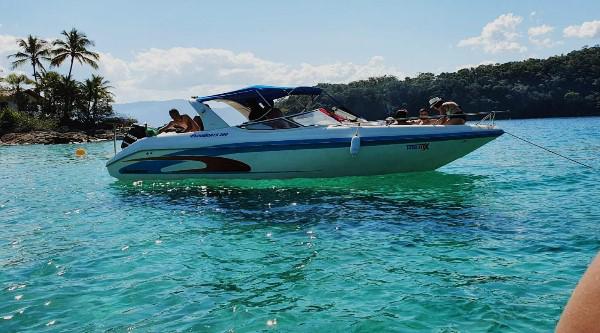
(493, 242)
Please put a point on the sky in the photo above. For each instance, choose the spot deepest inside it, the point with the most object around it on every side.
(159, 50)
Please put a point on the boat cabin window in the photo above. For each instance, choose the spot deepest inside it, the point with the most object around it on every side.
(315, 118)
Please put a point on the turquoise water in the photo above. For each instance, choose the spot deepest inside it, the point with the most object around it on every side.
(494, 242)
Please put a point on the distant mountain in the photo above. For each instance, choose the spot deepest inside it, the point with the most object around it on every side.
(156, 113)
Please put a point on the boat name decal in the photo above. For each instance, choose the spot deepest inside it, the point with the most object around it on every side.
(207, 135)
(419, 146)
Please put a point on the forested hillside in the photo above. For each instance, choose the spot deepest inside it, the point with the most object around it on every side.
(565, 85)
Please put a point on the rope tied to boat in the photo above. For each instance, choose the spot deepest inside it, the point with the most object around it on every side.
(548, 150)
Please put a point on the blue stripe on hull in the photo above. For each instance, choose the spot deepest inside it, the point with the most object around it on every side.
(250, 147)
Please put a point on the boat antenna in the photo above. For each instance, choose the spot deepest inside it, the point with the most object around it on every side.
(548, 150)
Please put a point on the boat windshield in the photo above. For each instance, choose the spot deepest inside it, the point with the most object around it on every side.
(269, 107)
(314, 118)
(311, 118)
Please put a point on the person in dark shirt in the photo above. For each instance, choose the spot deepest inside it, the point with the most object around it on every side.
(401, 117)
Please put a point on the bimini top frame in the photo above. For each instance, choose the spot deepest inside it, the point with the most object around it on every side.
(267, 94)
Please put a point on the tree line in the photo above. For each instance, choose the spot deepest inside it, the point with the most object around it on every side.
(53, 97)
(565, 85)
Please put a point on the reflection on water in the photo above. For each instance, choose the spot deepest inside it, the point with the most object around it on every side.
(304, 200)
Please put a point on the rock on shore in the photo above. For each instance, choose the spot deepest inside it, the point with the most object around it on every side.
(52, 137)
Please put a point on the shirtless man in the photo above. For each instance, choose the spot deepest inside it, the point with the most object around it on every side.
(450, 112)
(424, 118)
(180, 123)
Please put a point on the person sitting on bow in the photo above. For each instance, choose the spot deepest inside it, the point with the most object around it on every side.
(450, 112)
(401, 117)
(424, 118)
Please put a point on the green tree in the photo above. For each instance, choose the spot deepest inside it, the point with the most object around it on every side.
(69, 94)
(33, 51)
(16, 84)
(74, 47)
(96, 93)
(565, 85)
(50, 88)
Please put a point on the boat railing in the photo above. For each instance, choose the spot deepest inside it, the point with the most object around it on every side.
(490, 118)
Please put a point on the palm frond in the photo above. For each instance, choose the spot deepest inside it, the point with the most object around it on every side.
(19, 55)
(59, 43)
(59, 59)
(19, 62)
(91, 54)
(90, 62)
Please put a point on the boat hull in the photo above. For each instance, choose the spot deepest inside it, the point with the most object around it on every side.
(318, 152)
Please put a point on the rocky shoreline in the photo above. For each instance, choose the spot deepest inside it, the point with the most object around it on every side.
(53, 137)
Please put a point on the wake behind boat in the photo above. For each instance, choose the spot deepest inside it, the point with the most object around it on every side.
(319, 141)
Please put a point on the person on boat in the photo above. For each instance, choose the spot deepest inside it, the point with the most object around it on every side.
(424, 117)
(200, 123)
(257, 111)
(436, 105)
(180, 123)
(456, 117)
(274, 113)
(450, 112)
(401, 117)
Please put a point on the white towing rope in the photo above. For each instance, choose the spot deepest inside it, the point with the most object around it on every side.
(548, 150)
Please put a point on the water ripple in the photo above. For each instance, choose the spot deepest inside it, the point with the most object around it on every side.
(493, 242)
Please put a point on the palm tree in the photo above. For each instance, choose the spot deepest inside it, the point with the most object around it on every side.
(33, 50)
(75, 46)
(68, 90)
(50, 87)
(95, 90)
(16, 83)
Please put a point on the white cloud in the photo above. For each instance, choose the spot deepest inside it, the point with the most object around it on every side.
(8, 44)
(533, 13)
(498, 35)
(485, 62)
(160, 74)
(179, 72)
(544, 42)
(536, 36)
(590, 29)
(539, 30)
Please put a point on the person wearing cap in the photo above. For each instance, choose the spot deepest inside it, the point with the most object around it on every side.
(450, 112)
(436, 104)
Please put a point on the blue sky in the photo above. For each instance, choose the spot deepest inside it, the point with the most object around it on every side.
(154, 50)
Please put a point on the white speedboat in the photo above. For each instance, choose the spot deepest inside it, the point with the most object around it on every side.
(316, 142)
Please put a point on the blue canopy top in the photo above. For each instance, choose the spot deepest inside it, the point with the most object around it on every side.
(251, 95)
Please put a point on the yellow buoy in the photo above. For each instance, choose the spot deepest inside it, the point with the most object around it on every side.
(79, 152)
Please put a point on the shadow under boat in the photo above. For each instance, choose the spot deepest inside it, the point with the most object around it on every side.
(288, 201)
